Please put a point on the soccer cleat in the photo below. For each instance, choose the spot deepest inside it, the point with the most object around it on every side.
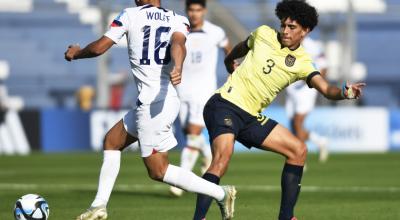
(94, 213)
(294, 218)
(175, 191)
(227, 205)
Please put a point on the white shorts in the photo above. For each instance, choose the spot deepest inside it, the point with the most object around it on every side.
(191, 112)
(152, 125)
(300, 99)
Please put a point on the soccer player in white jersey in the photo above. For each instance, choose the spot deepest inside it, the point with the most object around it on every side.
(156, 47)
(198, 83)
(300, 101)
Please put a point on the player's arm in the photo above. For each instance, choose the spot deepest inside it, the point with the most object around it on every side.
(94, 49)
(227, 48)
(239, 51)
(178, 54)
(348, 91)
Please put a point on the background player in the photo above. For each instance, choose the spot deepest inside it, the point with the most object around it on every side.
(156, 45)
(300, 100)
(272, 61)
(199, 83)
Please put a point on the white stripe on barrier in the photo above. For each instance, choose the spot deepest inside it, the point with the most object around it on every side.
(17, 133)
(6, 141)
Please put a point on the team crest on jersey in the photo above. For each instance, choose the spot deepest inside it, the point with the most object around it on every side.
(289, 61)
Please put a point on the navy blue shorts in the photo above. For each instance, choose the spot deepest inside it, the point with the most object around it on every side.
(222, 116)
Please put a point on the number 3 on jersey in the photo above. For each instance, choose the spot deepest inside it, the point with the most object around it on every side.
(158, 45)
(268, 68)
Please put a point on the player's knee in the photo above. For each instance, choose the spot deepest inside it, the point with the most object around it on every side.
(112, 143)
(301, 151)
(157, 174)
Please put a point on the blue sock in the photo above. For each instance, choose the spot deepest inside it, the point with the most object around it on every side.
(290, 183)
(203, 202)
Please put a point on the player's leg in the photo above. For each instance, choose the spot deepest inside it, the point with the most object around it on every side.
(156, 139)
(222, 124)
(159, 169)
(116, 139)
(297, 124)
(222, 151)
(282, 141)
(190, 152)
(195, 140)
(304, 103)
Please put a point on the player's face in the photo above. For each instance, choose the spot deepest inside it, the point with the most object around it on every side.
(292, 33)
(196, 13)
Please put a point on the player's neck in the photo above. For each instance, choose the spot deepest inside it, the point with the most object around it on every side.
(198, 26)
(155, 3)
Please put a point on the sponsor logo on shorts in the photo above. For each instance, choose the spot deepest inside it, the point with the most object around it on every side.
(228, 122)
(262, 119)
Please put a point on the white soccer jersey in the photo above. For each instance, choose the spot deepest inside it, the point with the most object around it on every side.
(148, 30)
(199, 78)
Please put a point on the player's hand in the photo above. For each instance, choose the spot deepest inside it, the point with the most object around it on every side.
(352, 91)
(176, 76)
(71, 51)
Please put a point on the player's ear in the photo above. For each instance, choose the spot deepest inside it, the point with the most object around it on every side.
(304, 32)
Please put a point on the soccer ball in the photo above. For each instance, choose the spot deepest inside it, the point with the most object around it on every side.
(31, 207)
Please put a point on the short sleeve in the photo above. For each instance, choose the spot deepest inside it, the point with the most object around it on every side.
(181, 25)
(250, 40)
(119, 27)
(308, 72)
(222, 39)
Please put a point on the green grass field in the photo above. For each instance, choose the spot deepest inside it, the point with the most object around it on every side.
(348, 187)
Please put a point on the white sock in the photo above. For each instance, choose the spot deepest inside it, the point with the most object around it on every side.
(179, 177)
(108, 175)
(317, 139)
(188, 158)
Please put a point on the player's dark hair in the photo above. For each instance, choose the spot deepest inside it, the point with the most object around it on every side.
(298, 10)
(200, 2)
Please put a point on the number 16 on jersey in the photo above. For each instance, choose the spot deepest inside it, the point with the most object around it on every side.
(158, 45)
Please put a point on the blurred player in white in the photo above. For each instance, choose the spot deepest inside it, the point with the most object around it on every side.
(300, 100)
(199, 82)
(156, 47)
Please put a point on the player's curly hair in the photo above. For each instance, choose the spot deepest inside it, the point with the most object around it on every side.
(298, 10)
(200, 2)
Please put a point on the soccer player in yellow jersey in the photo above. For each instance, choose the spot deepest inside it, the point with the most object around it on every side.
(273, 60)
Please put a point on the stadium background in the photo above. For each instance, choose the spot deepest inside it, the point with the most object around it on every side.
(40, 113)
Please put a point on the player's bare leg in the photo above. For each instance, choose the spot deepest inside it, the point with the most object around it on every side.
(300, 131)
(159, 169)
(222, 150)
(115, 141)
(282, 141)
(195, 145)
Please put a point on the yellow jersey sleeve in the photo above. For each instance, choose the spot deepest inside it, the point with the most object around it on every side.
(309, 70)
(267, 69)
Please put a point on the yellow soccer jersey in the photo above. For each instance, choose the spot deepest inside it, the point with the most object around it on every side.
(266, 70)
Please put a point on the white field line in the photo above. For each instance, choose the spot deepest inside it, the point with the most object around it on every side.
(161, 187)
